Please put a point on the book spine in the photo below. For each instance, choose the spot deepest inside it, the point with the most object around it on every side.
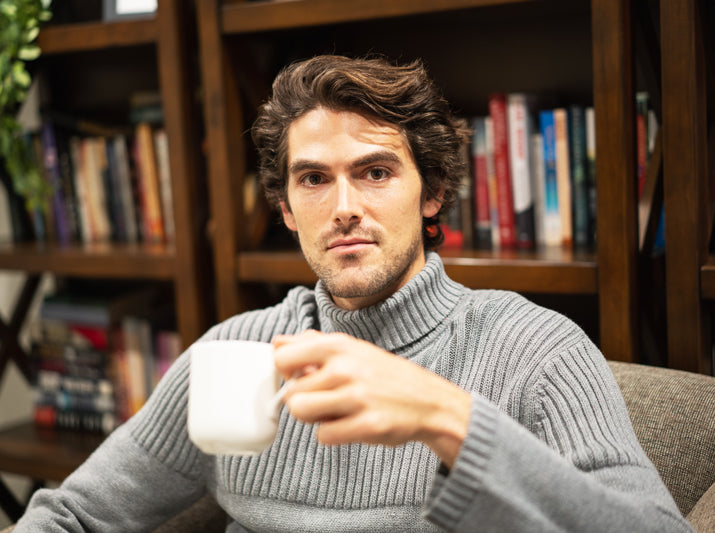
(149, 184)
(125, 189)
(482, 218)
(116, 210)
(80, 186)
(577, 151)
(161, 145)
(552, 218)
(52, 170)
(507, 229)
(537, 173)
(563, 175)
(591, 169)
(519, 131)
(492, 180)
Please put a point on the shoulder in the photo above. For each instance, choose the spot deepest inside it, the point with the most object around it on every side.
(518, 336)
(296, 312)
(511, 316)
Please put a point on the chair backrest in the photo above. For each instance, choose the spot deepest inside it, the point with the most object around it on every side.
(673, 415)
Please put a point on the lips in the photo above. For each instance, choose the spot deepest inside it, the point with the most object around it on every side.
(349, 245)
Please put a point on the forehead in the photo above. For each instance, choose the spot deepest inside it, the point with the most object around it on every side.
(323, 132)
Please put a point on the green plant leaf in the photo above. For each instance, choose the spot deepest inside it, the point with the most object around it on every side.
(28, 53)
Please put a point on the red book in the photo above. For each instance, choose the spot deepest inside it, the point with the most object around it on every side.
(505, 202)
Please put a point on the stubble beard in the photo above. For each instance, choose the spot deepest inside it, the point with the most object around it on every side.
(356, 277)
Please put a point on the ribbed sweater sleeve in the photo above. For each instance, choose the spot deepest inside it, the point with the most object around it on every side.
(578, 469)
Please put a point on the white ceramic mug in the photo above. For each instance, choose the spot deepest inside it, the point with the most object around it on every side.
(233, 407)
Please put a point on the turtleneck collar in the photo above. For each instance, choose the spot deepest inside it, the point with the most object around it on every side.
(403, 318)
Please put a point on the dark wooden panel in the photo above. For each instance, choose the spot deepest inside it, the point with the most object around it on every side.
(685, 183)
(181, 123)
(613, 97)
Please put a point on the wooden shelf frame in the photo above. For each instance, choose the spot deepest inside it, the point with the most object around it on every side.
(610, 273)
(690, 273)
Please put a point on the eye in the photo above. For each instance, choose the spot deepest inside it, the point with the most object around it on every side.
(377, 174)
(311, 180)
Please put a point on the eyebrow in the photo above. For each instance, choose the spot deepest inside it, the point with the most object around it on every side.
(380, 156)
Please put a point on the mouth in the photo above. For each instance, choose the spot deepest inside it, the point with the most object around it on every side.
(349, 245)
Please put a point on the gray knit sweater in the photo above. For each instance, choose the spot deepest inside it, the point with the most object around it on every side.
(549, 447)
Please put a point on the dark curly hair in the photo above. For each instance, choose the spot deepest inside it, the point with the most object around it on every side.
(402, 95)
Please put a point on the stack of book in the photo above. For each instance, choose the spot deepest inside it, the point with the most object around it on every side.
(534, 172)
(112, 187)
(534, 175)
(97, 360)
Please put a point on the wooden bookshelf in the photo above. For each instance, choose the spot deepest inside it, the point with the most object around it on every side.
(184, 262)
(599, 65)
(166, 42)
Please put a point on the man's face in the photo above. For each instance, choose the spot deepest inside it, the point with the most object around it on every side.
(355, 199)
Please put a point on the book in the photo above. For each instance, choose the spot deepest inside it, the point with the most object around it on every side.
(519, 129)
(161, 146)
(94, 159)
(579, 184)
(539, 187)
(81, 190)
(552, 217)
(492, 180)
(505, 200)
(52, 170)
(482, 213)
(114, 197)
(591, 169)
(125, 190)
(148, 181)
(563, 175)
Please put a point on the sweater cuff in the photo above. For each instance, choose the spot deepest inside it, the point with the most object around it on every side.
(454, 490)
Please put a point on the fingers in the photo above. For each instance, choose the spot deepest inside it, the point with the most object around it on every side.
(320, 406)
(303, 353)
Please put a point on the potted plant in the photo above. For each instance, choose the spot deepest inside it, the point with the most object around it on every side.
(19, 26)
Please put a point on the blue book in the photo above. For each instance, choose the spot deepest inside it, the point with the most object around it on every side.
(552, 218)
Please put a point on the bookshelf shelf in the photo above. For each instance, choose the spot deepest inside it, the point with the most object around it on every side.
(552, 271)
(266, 15)
(84, 37)
(124, 261)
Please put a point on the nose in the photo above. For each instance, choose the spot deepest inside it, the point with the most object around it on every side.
(348, 202)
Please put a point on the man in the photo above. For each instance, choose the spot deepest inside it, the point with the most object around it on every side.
(419, 405)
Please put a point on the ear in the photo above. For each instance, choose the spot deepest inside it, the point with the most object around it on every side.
(431, 206)
(288, 217)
